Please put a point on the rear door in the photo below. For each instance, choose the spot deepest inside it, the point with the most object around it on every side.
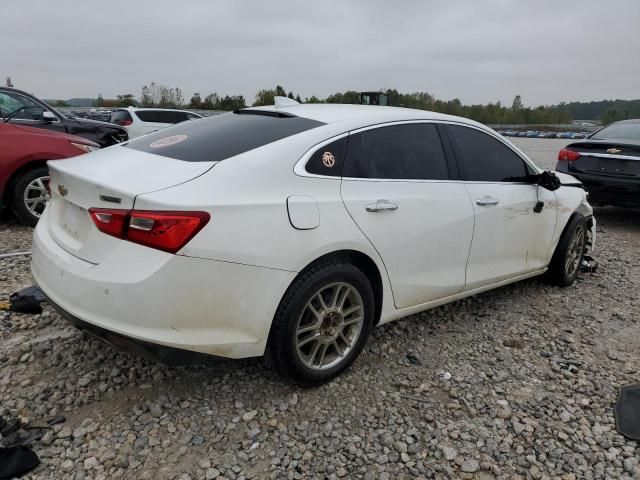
(509, 237)
(398, 188)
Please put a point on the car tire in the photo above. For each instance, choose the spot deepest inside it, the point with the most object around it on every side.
(310, 341)
(567, 259)
(34, 184)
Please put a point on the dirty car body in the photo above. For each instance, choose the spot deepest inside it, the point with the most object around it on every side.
(431, 208)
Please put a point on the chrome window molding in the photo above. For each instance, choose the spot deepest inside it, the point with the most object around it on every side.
(300, 166)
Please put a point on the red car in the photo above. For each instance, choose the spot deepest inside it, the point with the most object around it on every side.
(24, 177)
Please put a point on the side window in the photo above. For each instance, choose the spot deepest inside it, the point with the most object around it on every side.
(328, 160)
(408, 151)
(482, 158)
(147, 115)
(168, 116)
(21, 108)
(156, 116)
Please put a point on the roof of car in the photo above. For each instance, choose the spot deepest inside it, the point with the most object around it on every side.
(334, 113)
(136, 109)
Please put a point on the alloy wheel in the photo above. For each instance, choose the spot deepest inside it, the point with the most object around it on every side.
(574, 252)
(36, 195)
(329, 326)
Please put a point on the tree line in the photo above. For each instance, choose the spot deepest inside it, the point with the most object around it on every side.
(163, 96)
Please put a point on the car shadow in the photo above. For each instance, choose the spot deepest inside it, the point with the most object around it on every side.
(618, 217)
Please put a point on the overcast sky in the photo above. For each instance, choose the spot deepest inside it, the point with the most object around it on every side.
(476, 50)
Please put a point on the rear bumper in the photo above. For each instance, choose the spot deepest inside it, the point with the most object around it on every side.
(141, 348)
(151, 297)
(610, 190)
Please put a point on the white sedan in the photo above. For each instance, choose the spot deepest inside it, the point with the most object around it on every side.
(293, 230)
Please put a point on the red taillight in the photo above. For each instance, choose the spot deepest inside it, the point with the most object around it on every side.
(168, 231)
(568, 155)
(111, 222)
(124, 123)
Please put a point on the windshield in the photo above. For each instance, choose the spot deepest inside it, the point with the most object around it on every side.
(623, 130)
(219, 137)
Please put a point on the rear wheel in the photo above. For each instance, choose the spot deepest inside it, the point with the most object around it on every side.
(30, 195)
(566, 261)
(322, 323)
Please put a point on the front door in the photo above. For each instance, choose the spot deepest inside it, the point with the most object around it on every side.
(510, 236)
(397, 187)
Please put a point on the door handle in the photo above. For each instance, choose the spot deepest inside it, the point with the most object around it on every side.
(487, 200)
(381, 205)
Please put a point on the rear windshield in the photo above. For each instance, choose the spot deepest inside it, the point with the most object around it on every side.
(630, 131)
(120, 116)
(221, 136)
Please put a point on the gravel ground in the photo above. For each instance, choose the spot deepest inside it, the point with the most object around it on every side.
(515, 383)
(544, 152)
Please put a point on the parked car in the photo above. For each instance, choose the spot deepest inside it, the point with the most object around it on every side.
(140, 121)
(293, 230)
(20, 108)
(608, 163)
(24, 178)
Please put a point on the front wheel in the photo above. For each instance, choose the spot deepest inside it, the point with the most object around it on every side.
(30, 195)
(566, 261)
(322, 323)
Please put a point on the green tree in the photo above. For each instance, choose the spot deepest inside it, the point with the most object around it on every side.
(196, 101)
(99, 102)
(146, 97)
(126, 100)
(264, 97)
(517, 103)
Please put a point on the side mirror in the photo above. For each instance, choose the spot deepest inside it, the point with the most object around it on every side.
(549, 180)
(48, 117)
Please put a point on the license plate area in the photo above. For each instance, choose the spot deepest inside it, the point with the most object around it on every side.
(614, 167)
(72, 220)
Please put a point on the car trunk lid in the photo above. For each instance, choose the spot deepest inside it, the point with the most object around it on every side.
(615, 159)
(110, 178)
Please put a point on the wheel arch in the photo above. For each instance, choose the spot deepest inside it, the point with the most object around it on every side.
(360, 260)
(11, 182)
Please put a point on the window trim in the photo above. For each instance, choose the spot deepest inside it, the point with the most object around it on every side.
(300, 168)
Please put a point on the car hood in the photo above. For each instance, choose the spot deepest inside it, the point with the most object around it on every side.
(568, 180)
(95, 123)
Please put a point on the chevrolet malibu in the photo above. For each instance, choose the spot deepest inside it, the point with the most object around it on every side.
(292, 230)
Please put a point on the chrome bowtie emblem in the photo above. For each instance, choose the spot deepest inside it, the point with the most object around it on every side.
(328, 159)
(62, 190)
(614, 150)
